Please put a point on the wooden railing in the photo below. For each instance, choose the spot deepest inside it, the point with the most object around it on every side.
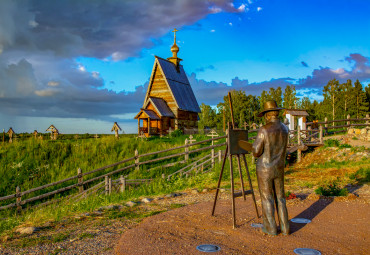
(81, 179)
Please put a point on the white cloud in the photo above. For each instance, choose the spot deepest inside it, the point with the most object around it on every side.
(81, 68)
(53, 83)
(242, 8)
(95, 74)
(212, 30)
(259, 9)
(230, 24)
(214, 9)
(45, 92)
(33, 23)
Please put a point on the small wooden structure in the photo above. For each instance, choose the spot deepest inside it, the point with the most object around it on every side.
(10, 133)
(35, 134)
(116, 128)
(54, 132)
(301, 115)
(169, 102)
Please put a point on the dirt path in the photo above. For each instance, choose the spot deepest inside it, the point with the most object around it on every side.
(337, 227)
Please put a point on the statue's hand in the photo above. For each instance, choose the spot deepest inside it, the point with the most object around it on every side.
(245, 145)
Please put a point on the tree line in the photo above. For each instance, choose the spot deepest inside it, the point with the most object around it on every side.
(340, 100)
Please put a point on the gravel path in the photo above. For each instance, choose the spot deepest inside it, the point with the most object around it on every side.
(99, 233)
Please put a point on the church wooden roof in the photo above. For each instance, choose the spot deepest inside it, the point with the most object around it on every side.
(161, 106)
(178, 84)
(148, 114)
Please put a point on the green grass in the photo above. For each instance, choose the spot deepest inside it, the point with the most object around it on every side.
(65, 209)
(31, 163)
(331, 189)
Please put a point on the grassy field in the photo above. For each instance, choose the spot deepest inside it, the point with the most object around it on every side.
(330, 164)
(32, 163)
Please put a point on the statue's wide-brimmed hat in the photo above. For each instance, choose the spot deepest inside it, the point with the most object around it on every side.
(269, 106)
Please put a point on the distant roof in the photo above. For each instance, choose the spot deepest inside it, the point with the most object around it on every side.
(10, 131)
(115, 125)
(52, 129)
(161, 106)
(296, 112)
(179, 85)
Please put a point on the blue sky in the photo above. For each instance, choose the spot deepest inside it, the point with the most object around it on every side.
(85, 64)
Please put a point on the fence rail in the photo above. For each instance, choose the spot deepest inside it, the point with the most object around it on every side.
(296, 137)
(136, 163)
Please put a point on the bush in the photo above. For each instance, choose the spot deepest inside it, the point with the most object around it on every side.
(345, 145)
(361, 175)
(176, 133)
(331, 190)
(331, 143)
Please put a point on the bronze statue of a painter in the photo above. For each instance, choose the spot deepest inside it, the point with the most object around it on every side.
(270, 149)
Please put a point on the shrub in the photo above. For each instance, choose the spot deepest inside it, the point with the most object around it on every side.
(331, 190)
(361, 175)
(345, 145)
(176, 133)
(331, 143)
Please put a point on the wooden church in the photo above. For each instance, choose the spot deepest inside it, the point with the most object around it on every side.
(169, 102)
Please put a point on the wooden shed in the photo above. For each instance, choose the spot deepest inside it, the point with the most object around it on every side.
(169, 101)
(300, 114)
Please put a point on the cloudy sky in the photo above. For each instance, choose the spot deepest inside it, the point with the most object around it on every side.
(81, 65)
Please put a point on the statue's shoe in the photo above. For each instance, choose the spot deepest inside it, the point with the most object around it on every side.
(264, 231)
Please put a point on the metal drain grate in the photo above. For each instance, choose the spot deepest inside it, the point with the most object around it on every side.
(208, 248)
(306, 251)
(300, 220)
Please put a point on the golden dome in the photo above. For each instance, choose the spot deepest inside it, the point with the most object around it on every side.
(175, 48)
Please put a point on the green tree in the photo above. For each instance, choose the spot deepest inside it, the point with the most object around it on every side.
(346, 97)
(331, 97)
(275, 94)
(362, 106)
(207, 117)
(289, 97)
(367, 92)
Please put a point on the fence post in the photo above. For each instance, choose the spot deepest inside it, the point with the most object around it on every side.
(186, 150)
(18, 196)
(137, 160)
(110, 185)
(213, 157)
(309, 133)
(122, 184)
(106, 185)
(219, 156)
(348, 121)
(163, 176)
(326, 122)
(80, 180)
(320, 135)
(299, 152)
(367, 119)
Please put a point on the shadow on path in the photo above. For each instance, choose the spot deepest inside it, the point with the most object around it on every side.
(310, 213)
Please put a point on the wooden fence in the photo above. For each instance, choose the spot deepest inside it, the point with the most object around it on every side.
(81, 179)
(297, 137)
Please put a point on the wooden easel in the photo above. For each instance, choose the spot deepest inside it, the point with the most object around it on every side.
(233, 149)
